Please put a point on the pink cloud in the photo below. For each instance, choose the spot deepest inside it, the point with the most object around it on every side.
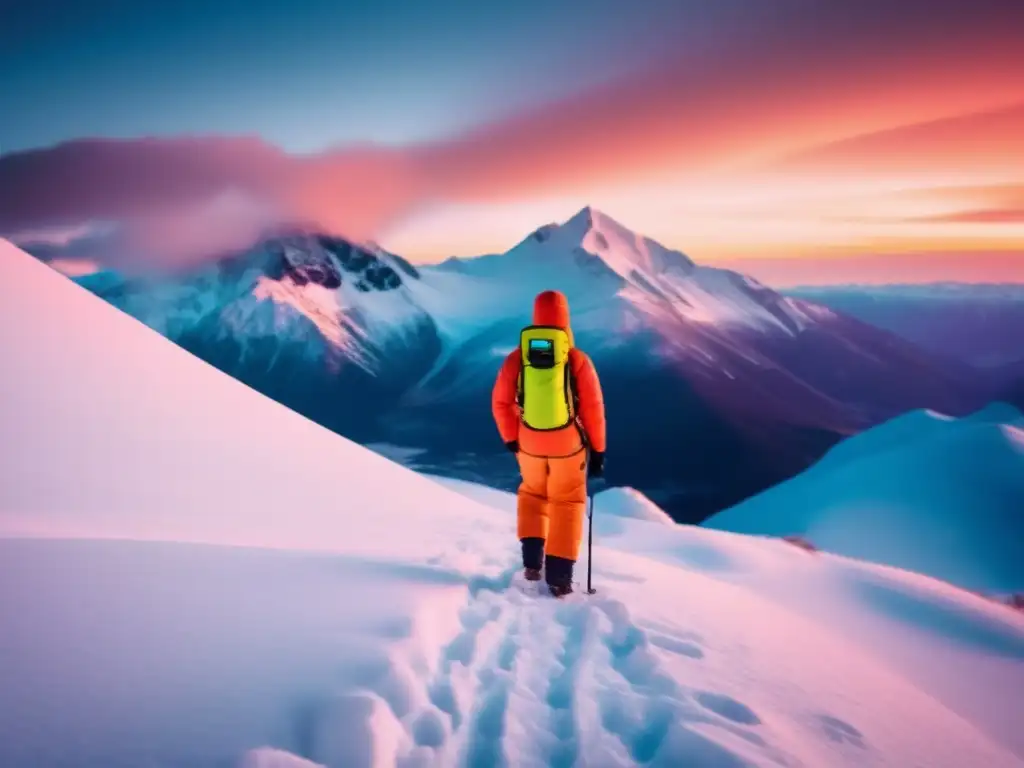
(110, 179)
(989, 140)
(75, 267)
(180, 198)
(982, 216)
(886, 268)
(230, 220)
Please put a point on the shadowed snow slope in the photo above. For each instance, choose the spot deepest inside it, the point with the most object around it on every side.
(925, 492)
(190, 574)
(629, 502)
(110, 429)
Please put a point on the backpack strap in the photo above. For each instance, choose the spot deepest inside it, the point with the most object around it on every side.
(572, 398)
(574, 404)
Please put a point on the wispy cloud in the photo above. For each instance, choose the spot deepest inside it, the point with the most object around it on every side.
(983, 216)
(75, 267)
(183, 196)
(886, 268)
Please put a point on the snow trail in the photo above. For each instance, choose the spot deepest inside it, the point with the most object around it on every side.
(532, 680)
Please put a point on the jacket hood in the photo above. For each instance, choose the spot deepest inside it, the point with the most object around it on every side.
(551, 308)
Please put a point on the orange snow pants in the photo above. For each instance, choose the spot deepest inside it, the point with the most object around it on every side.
(552, 502)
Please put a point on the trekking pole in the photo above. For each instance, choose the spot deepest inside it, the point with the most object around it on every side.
(590, 540)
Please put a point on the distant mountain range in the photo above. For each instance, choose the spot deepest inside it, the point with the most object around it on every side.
(716, 386)
(979, 324)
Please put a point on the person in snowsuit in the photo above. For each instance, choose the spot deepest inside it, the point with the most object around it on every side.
(549, 410)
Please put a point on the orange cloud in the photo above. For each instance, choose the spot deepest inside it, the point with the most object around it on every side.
(736, 113)
(887, 268)
(985, 216)
(991, 141)
(770, 153)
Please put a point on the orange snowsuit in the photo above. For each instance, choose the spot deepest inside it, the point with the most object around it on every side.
(551, 502)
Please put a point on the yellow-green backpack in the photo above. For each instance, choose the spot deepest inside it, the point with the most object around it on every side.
(546, 391)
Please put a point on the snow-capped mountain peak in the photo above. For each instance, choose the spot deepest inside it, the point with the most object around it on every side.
(330, 261)
(598, 261)
(355, 296)
(623, 249)
(328, 297)
(592, 233)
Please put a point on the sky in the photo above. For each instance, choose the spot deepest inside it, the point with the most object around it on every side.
(801, 141)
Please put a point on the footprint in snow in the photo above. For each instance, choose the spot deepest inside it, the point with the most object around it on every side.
(671, 630)
(572, 622)
(627, 578)
(637, 704)
(430, 729)
(677, 646)
(727, 707)
(461, 650)
(841, 732)
(631, 654)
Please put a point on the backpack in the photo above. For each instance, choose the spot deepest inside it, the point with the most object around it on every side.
(546, 390)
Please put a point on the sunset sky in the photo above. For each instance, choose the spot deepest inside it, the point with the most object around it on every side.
(800, 141)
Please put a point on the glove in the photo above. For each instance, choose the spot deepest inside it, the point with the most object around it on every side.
(595, 467)
(513, 446)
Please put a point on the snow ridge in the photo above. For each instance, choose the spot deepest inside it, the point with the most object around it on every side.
(923, 491)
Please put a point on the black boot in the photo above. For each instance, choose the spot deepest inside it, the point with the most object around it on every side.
(533, 557)
(558, 572)
(560, 590)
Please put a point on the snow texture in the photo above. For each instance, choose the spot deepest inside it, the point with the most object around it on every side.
(191, 574)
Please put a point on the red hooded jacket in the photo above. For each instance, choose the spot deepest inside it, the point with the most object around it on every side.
(551, 308)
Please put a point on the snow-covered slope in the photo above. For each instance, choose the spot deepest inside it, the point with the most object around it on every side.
(630, 503)
(191, 574)
(103, 417)
(924, 491)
